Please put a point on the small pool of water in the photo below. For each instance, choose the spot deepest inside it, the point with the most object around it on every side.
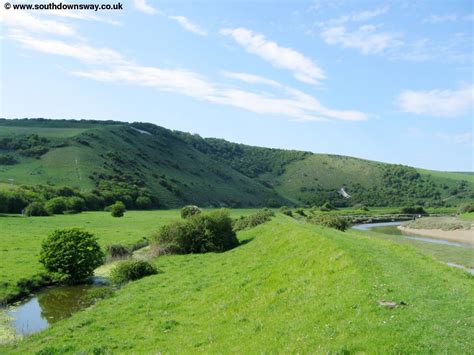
(49, 306)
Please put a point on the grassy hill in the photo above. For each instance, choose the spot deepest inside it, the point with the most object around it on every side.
(293, 287)
(177, 168)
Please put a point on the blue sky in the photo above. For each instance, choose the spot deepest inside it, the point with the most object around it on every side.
(387, 81)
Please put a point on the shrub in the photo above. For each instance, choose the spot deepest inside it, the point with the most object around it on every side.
(466, 208)
(189, 211)
(118, 251)
(253, 220)
(143, 202)
(413, 210)
(56, 205)
(76, 204)
(360, 206)
(36, 209)
(336, 222)
(117, 209)
(286, 210)
(71, 254)
(300, 211)
(7, 160)
(327, 207)
(130, 270)
(201, 233)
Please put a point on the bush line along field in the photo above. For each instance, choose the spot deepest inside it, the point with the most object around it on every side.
(173, 168)
(252, 298)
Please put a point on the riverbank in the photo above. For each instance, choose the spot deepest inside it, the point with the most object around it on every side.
(465, 236)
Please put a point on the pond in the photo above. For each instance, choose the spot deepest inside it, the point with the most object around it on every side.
(49, 306)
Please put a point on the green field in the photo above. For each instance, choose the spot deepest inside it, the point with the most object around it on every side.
(20, 238)
(292, 287)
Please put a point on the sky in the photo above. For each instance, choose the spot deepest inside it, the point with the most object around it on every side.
(389, 81)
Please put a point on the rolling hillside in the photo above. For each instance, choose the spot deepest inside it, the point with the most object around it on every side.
(176, 168)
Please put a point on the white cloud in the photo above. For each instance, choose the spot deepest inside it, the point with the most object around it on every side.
(77, 15)
(366, 39)
(435, 19)
(303, 68)
(26, 21)
(188, 25)
(114, 67)
(143, 6)
(289, 102)
(77, 51)
(438, 103)
(457, 138)
(355, 17)
(251, 78)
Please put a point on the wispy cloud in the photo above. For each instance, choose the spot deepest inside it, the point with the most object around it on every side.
(251, 78)
(359, 16)
(143, 6)
(288, 102)
(77, 51)
(188, 25)
(26, 21)
(435, 19)
(81, 16)
(303, 68)
(105, 64)
(456, 138)
(366, 38)
(438, 103)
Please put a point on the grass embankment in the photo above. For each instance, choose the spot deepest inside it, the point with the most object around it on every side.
(21, 237)
(293, 287)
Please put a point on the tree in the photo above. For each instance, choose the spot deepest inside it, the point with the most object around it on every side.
(56, 205)
(189, 211)
(36, 209)
(143, 202)
(71, 255)
(117, 209)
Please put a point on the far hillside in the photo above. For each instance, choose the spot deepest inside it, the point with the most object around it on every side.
(147, 166)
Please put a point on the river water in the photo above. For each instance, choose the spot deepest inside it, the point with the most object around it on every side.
(390, 228)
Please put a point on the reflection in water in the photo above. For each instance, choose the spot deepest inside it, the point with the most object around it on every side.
(49, 306)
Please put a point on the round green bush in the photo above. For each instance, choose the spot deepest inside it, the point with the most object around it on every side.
(189, 211)
(143, 202)
(202, 233)
(76, 204)
(117, 209)
(36, 209)
(71, 255)
(130, 270)
(56, 205)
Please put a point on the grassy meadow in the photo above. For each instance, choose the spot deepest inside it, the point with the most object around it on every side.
(292, 287)
(21, 237)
